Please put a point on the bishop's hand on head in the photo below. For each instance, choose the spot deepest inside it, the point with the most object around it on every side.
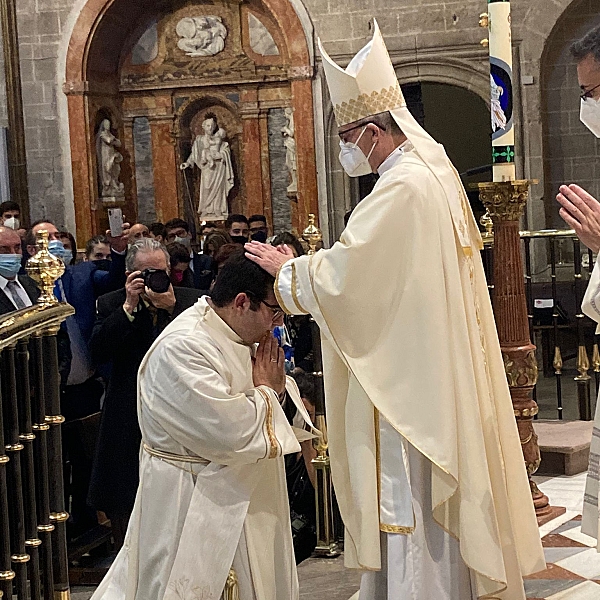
(268, 257)
(581, 211)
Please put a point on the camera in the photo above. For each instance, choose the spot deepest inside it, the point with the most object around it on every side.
(155, 279)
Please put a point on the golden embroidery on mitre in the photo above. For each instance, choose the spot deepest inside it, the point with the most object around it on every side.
(368, 104)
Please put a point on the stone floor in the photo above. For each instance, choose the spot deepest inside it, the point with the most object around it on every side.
(573, 570)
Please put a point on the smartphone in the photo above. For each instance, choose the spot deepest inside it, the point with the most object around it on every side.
(115, 221)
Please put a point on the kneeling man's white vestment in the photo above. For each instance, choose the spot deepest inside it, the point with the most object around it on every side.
(212, 491)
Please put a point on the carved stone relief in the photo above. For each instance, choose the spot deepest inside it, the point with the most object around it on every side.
(201, 36)
(261, 41)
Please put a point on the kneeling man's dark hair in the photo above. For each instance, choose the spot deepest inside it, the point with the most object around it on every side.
(239, 275)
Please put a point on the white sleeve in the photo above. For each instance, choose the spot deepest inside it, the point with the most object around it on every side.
(591, 301)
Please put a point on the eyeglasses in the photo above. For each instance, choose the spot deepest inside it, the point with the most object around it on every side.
(588, 94)
(274, 308)
(343, 133)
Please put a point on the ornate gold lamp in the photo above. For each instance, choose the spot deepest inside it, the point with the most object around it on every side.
(326, 542)
(45, 269)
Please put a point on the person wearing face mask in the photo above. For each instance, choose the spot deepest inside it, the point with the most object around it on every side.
(97, 251)
(581, 211)
(128, 321)
(10, 216)
(427, 470)
(259, 230)
(181, 274)
(237, 227)
(70, 254)
(18, 291)
(80, 286)
(201, 265)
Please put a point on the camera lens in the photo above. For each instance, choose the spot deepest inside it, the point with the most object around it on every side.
(157, 281)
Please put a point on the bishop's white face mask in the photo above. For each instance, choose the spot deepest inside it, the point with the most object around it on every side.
(353, 159)
(590, 115)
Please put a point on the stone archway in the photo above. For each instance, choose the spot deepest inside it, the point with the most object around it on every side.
(100, 74)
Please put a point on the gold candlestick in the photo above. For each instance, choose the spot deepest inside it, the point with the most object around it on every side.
(312, 235)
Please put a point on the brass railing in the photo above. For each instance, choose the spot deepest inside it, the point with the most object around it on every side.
(565, 333)
(33, 543)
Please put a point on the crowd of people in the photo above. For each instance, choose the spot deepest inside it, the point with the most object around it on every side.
(126, 290)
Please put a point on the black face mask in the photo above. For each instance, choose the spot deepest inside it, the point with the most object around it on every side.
(259, 236)
(239, 239)
(103, 264)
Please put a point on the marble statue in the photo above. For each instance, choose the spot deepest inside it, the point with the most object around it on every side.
(201, 36)
(109, 163)
(212, 155)
(289, 141)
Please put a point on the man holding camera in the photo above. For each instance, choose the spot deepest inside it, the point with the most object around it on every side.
(128, 322)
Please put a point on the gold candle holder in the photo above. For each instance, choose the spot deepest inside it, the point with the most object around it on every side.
(45, 269)
(312, 235)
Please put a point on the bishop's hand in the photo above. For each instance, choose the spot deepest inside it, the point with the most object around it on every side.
(267, 257)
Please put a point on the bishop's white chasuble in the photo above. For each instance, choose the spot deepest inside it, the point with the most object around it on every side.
(212, 491)
(409, 340)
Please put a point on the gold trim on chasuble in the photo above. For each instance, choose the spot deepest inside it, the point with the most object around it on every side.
(386, 527)
(278, 295)
(367, 105)
(271, 437)
(295, 291)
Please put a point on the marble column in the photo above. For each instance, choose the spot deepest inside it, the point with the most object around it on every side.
(302, 100)
(165, 169)
(84, 183)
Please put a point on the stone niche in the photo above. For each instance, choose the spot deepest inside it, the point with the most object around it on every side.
(156, 70)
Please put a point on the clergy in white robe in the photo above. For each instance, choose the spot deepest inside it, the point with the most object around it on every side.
(212, 491)
(425, 453)
(590, 522)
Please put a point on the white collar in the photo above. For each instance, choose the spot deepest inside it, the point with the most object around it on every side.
(394, 157)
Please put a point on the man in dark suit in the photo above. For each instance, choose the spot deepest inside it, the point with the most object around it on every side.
(80, 286)
(128, 322)
(201, 264)
(16, 291)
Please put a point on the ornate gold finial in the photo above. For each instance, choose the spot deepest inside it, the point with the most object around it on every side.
(583, 364)
(312, 235)
(557, 363)
(44, 268)
(596, 359)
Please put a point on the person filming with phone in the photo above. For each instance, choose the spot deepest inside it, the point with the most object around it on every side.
(128, 322)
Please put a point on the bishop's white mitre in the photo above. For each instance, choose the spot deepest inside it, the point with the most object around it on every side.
(369, 86)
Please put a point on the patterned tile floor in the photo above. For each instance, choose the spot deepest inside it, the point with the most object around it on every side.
(573, 565)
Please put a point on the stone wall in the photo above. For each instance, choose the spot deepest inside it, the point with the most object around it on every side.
(434, 41)
(572, 153)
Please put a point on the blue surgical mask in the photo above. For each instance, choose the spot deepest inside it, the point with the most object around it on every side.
(57, 248)
(10, 265)
(67, 256)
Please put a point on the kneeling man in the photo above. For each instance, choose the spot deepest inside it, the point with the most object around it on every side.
(212, 493)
